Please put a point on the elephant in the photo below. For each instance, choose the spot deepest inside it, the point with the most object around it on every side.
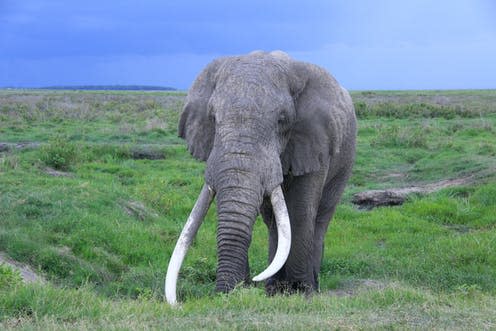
(278, 137)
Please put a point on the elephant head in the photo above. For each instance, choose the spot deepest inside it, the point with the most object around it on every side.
(254, 119)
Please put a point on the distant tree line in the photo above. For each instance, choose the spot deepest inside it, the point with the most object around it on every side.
(110, 87)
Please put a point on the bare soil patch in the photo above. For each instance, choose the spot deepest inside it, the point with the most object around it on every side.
(58, 173)
(138, 210)
(354, 287)
(7, 147)
(396, 196)
(27, 274)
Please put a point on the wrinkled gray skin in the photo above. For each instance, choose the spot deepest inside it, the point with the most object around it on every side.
(262, 120)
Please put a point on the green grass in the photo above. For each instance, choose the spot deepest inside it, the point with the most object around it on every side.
(429, 263)
(393, 306)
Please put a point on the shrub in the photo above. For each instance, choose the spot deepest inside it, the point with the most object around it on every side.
(9, 162)
(8, 277)
(409, 110)
(59, 154)
(395, 136)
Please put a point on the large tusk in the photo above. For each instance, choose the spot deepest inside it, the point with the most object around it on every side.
(283, 235)
(187, 235)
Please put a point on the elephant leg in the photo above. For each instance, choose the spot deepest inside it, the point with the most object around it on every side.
(330, 198)
(302, 195)
(321, 225)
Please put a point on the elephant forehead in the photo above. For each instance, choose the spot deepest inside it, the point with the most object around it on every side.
(259, 66)
(248, 98)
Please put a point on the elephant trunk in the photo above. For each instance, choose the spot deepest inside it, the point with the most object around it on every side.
(237, 208)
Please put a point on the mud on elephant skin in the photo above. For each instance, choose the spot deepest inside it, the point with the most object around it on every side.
(278, 136)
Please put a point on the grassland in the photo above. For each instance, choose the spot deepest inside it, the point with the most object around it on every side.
(99, 223)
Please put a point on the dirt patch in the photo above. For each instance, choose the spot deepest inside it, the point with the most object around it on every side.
(27, 274)
(137, 209)
(458, 228)
(7, 147)
(396, 196)
(352, 288)
(395, 175)
(58, 173)
(146, 152)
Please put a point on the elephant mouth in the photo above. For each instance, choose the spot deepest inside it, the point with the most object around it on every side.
(194, 221)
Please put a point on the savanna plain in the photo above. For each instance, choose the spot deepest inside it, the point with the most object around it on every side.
(95, 188)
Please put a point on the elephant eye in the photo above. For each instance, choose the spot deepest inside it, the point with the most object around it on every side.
(283, 118)
(211, 113)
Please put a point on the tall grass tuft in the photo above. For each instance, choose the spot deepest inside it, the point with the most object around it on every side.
(9, 278)
(59, 153)
(396, 136)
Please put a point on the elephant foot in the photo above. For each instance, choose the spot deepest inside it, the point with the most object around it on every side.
(288, 287)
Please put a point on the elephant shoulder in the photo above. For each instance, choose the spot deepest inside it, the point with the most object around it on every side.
(325, 119)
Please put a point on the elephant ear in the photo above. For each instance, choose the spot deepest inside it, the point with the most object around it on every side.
(195, 126)
(320, 107)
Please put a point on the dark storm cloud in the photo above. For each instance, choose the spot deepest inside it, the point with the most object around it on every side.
(366, 44)
(134, 27)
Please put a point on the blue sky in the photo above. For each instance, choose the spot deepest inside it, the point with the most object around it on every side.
(421, 44)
